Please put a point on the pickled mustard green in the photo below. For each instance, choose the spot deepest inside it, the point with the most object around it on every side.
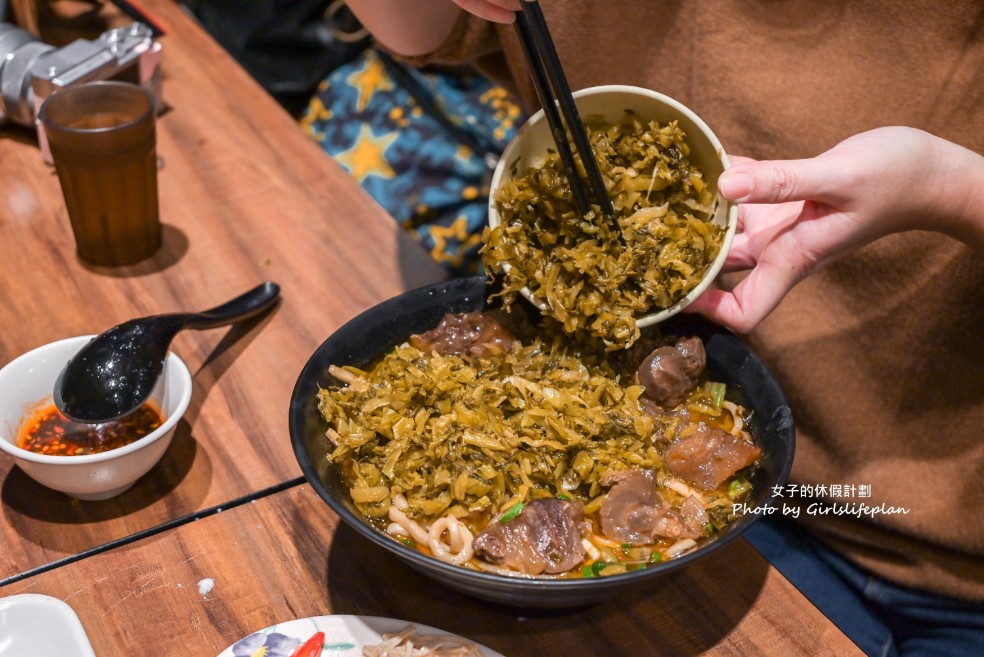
(594, 277)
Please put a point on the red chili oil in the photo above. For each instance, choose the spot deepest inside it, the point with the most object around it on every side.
(48, 431)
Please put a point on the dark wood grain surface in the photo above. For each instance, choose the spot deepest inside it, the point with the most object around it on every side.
(284, 557)
(245, 197)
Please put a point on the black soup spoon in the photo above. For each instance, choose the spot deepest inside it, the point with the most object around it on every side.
(117, 370)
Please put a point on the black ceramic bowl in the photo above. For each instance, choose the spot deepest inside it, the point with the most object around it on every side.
(377, 330)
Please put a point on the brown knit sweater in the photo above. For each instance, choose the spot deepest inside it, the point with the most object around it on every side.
(881, 353)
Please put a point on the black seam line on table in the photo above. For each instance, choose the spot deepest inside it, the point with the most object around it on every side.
(153, 531)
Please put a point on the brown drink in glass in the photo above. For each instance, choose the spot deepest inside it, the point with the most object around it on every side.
(103, 143)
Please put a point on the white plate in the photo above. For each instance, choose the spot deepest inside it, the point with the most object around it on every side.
(34, 625)
(344, 636)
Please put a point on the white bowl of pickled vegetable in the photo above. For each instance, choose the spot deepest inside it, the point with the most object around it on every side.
(660, 163)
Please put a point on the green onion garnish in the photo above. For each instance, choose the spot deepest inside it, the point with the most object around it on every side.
(716, 390)
(511, 512)
(737, 488)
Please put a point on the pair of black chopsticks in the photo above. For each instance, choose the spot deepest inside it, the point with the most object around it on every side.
(546, 70)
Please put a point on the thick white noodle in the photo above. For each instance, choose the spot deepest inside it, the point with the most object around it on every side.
(680, 547)
(342, 374)
(410, 527)
(458, 549)
(686, 491)
(739, 422)
(505, 572)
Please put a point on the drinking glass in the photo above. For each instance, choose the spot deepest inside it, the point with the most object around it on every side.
(103, 144)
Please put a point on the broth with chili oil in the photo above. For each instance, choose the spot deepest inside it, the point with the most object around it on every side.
(48, 431)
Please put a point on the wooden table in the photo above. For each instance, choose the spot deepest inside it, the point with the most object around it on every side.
(246, 197)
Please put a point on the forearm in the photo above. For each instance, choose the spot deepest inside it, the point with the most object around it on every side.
(962, 191)
(408, 27)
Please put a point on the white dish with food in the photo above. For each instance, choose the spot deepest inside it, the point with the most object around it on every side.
(352, 636)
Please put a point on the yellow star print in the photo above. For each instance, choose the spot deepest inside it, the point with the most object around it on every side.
(366, 156)
(316, 112)
(369, 79)
(458, 230)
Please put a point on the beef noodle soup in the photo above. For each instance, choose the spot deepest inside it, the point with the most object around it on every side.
(493, 444)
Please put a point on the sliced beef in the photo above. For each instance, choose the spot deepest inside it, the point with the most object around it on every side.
(544, 538)
(669, 373)
(709, 456)
(694, 516)
(634, 512)
(477, 333)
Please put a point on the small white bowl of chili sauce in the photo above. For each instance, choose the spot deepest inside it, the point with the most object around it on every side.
(85, 461)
